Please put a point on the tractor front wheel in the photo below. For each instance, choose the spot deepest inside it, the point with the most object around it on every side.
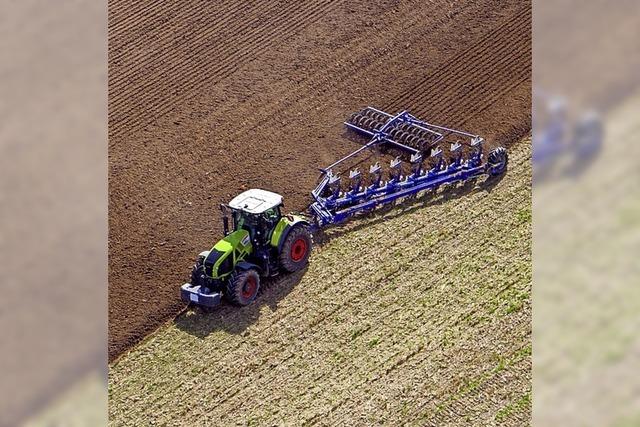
(242, 287)
(296, 249)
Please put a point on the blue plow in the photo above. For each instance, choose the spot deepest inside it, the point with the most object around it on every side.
(415, 140)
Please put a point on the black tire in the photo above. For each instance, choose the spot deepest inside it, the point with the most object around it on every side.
(196, 272)
(497, 161)
(296, 249)
(242, 287)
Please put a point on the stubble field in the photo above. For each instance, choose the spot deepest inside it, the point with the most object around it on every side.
(419, 316)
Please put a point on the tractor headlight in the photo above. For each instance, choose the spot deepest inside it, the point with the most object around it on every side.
(201, 257)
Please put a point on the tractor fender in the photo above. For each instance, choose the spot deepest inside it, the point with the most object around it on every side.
(292, 221)
(245, 265)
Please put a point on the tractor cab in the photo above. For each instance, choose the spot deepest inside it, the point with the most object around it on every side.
(258, 212)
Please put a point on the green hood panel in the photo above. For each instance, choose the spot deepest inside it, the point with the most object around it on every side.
(227, 253)
(238, 239)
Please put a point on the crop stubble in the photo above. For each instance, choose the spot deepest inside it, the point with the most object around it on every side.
(435, 330)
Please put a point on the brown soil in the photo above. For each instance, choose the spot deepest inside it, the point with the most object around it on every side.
(211, 98)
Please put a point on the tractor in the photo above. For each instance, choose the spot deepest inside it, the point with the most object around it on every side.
(263, 243)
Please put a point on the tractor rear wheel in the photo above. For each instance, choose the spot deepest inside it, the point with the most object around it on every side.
(242, 287)
(296, 249)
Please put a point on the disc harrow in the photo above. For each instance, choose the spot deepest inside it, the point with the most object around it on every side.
(418, 141)
(403, 130)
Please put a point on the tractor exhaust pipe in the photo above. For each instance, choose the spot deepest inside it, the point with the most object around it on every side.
(225, 219)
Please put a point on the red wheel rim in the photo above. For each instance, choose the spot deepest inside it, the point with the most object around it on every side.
(249, 287)
(298, 250)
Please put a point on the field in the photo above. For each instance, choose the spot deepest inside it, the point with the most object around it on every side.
(207, 99)
(421, 328)
(418, 314)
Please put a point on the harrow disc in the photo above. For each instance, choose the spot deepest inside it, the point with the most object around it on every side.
(405, 127)
(354, 119)
(377, 116)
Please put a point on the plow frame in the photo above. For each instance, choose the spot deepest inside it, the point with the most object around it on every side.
(341, 205)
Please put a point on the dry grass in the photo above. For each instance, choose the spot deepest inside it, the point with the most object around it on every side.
(421, 316)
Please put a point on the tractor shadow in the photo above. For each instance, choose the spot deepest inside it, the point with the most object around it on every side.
(201, 322)
(439, 197)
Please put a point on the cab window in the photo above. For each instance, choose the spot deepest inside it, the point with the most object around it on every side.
(241, 220)
(272, 214)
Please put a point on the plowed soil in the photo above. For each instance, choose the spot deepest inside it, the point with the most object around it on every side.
(207, 99)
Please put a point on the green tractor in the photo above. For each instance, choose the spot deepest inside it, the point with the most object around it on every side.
(263, 243)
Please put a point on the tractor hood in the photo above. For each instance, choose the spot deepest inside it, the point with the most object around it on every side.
(211, 262)
(220, 261)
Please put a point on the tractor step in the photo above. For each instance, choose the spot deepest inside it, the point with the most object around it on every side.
(194, 294)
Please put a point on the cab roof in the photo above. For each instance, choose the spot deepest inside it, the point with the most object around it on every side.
(255, 201)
